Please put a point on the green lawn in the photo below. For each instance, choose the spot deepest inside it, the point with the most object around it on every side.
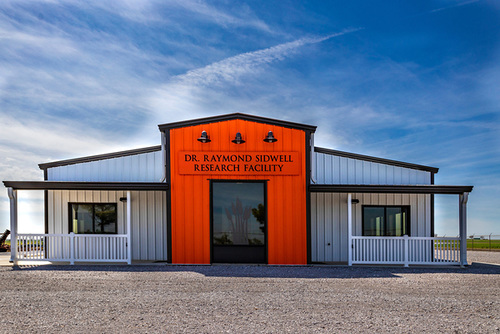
(483, 244)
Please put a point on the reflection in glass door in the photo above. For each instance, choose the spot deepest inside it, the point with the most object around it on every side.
(238, 222)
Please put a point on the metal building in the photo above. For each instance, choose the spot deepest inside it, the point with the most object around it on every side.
(238, 188)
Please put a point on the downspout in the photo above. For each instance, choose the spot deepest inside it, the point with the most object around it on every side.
(313, 160)
(164, 156)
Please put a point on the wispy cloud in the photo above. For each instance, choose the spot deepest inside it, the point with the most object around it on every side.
(464, 3)
(185, 93)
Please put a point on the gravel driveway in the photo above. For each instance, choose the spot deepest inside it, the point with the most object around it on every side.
(241, 299)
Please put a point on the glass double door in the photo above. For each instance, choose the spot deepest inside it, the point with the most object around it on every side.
(239, 216)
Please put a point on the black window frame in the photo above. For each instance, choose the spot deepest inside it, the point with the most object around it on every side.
(406, 208)
(70, 216)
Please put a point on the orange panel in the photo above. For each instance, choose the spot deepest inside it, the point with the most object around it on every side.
(286, 191)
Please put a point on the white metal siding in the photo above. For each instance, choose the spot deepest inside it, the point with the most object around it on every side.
(149, 217)
(329, 220)
(145, 167)
(332, 169)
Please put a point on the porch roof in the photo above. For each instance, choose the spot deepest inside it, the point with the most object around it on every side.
(390, 189)
(72, 185)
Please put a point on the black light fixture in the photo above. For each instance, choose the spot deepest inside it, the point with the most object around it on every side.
(204, 137)
(355, 201)
(238, 139)
(270, 138)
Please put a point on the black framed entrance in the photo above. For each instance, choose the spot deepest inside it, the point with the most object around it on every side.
(238, 224)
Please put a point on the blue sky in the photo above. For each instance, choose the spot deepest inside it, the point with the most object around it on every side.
(417, 81)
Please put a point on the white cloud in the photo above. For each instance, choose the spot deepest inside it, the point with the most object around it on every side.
(192, 92)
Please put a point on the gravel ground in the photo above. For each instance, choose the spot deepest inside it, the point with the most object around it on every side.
(236, 299)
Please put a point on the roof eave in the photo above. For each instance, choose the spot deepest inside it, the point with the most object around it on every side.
(98, 157)
(376, 159)
(78, 185)
(391, 189)
(233, 116)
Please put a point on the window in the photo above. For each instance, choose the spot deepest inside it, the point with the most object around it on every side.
(93, 218)
(239, 213)
(390, 221)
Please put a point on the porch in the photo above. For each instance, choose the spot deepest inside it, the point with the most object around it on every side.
(356, 247)
(76, 247)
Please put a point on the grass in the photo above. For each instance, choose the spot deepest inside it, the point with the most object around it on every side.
(483, 244)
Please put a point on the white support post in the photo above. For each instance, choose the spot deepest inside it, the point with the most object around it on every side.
(13, 224)
(72, 248)
(349, 229)
(406, 249)
(129, 228)
(463, 228)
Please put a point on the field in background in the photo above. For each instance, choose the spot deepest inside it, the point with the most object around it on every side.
(484, 244)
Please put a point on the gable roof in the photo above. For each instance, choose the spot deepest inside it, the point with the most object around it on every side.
(375, 159)
(100, 157)
(228, 117)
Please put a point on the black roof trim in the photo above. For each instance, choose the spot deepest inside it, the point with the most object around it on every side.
(389, 189)
(246, 117)
(70, 185)
(375, 159)
(100, 157)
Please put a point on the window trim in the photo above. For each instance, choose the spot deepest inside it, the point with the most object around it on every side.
(408, 220)
(70, 216)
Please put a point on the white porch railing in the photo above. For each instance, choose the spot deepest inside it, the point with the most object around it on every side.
(72, 247)
(405, 250)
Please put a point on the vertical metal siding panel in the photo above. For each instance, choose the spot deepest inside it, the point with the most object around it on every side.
(397, 199)
(124, 164)
(156, 166)
(413, 177)
(358, 179)
(390, 174)
(421, 215)
(356, 228)
(340, 228)
(61, 174)
(382, 174)
(396, 176)
(314, 228)
(50, 206)
(330, 232)
(390, 199)
(58, 211)
(329, 170)
(427, 232)
(343, 228)
(64, 211)
(351, 171)
(151, 222)
(334, 205)
(143, 166)
(136, 225)
(164, 220)
(150, 167)
(318, 167)
(324, 227)
(414, 215)
(143, 230)
(159, 232)
(343, 171)
(365, 173)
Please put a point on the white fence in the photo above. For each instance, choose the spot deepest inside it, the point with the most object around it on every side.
(405, 250)
(72, 247)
